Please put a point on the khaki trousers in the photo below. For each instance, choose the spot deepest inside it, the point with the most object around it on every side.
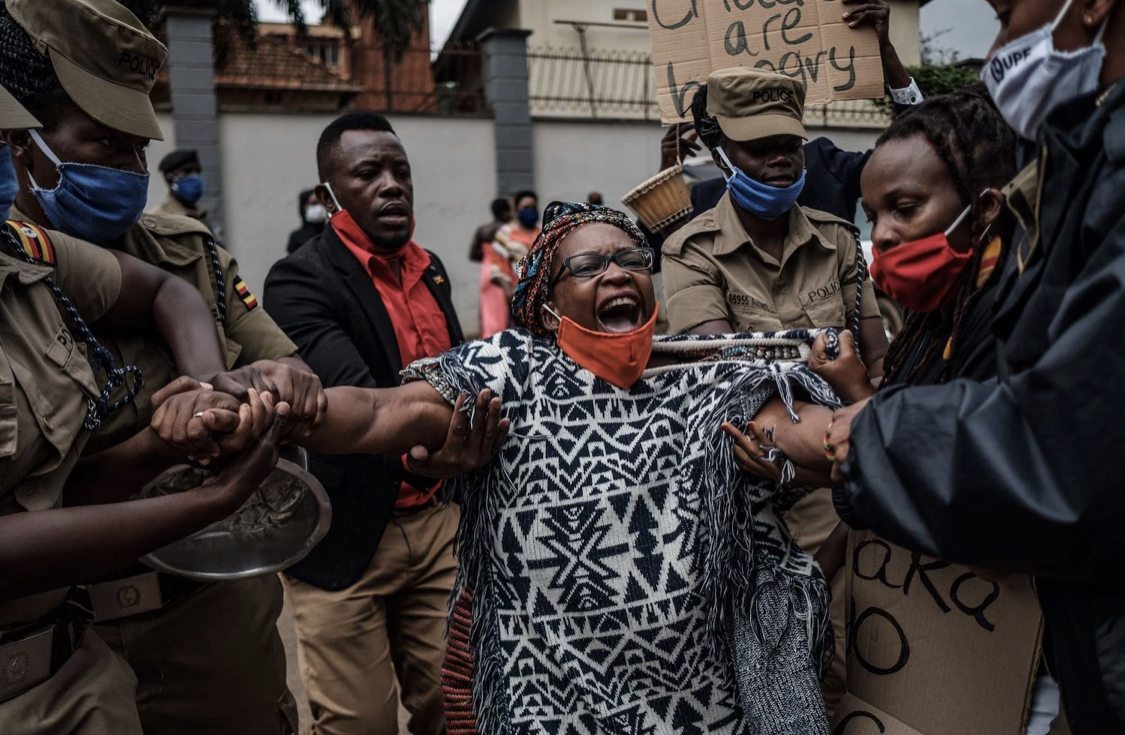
(210, 663)
(92, 694)
(811, 522)
(353, 644)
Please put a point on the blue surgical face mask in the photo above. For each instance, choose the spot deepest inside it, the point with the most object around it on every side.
(761, 200)
(95, 203)
(9, 184)
(528, 217)
(188, 189)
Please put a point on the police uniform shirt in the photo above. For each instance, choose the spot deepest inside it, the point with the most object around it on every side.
(177, 245)
(713, 271)
(45, 380)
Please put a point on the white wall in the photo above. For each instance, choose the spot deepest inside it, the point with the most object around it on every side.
(574, 158)
(539, 16)
(157, 149)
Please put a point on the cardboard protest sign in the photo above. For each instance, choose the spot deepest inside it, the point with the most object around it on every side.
(804, 39)
(933, 647)
(860, 718)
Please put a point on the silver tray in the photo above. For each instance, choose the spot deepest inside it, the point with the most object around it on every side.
(274, 529)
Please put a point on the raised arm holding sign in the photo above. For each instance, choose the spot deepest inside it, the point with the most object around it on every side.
(807, 40)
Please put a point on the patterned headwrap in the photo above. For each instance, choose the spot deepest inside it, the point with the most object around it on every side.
(559, 220)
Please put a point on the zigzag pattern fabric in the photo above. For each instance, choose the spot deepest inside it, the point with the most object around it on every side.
(616, 556)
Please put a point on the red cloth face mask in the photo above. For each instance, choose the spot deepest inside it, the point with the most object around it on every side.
(921, 274)
(350, 231)
(618, 359)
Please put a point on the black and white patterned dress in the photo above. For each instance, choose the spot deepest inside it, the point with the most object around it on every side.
(626, 577)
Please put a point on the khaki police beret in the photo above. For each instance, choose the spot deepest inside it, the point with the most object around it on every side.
(104, 58)
(751, 103)
(13, 116)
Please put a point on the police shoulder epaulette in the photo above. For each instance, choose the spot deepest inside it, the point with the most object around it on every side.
(816, 215)
(674, 244)
(171, 225)
(34, 240)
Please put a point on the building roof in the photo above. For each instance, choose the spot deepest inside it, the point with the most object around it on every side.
(274, 64)
(475, 19)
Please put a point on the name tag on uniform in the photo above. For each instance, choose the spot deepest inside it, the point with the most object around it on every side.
(745, 301)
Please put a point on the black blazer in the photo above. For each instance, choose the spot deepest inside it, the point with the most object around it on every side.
(325, 301)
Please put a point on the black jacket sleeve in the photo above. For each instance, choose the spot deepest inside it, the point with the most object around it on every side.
(298, 299)
(1020, 474)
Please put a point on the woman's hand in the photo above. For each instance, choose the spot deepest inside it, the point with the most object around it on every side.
(177, 423)
(302, 390)
(247, 472)
(750, 456)
(678, 143)
(837, 439)
(467, 448)
(179, 420)
(846, 374)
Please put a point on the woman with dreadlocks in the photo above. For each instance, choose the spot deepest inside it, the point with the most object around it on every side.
(932, 190)
(624, 576)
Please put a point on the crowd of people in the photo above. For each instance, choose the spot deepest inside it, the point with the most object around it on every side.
(574, 524)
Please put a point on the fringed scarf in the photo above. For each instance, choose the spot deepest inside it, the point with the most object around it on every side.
(625, 576)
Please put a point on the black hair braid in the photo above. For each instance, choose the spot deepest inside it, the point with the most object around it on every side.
(706, 127)
(27, 74)
(979, 148)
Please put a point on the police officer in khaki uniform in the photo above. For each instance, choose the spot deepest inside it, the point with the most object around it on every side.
(183, 173)
(758, 262)
(208, 656)
(56, 676)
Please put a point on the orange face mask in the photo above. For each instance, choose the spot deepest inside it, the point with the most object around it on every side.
(618, 359)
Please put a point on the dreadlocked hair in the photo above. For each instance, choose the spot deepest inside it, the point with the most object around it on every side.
(706, 126)
(559, 220)
(28, 74)
(979, 149)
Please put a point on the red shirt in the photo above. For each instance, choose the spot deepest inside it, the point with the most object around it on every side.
(420, 326)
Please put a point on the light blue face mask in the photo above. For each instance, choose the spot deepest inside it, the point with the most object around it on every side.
(95, 203)
(9, 184)
(761, 200)
(188, 189)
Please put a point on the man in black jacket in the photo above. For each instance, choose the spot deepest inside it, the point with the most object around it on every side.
(362, 300)
(1024, 473)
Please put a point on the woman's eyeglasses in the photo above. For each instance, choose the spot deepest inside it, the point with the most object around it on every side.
(589, 265)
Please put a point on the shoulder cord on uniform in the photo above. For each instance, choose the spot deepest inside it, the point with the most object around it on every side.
(220, 282)
(861, 269)
(102, 359)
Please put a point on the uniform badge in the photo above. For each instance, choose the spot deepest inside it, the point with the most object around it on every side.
(244, 293)
(34, 241)
(438, 280)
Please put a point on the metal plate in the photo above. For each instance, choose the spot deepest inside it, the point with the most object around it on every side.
(274, 529)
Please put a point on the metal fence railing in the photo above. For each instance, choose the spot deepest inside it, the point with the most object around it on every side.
(611, 84)
(593, 83)
(848, 114)
(416, 87)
